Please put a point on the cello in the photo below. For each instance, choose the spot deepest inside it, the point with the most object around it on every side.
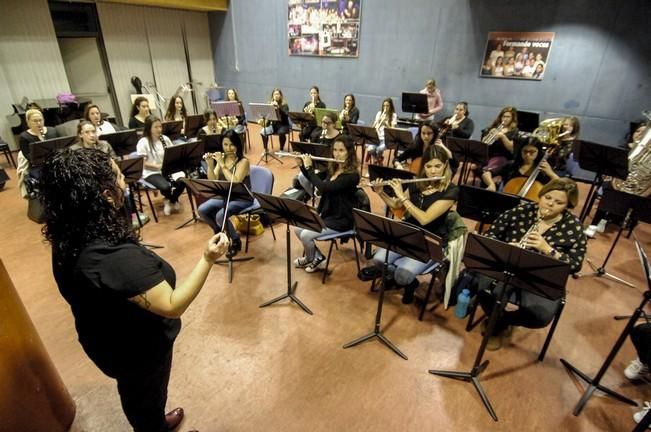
(529, 187)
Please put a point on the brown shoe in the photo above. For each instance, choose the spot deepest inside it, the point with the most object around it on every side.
(494, 343)
(174, 418)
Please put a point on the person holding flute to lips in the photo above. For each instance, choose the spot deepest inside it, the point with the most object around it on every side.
(428, 205)
(231, 165)
(338, 187)
(549, 228)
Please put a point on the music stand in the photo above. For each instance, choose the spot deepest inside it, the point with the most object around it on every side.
(40, 150)
(482, 205)
(294, 213)
(227, 109)
(517, 269)
(595, 383)
(301, 118)
(192, 124)
(414, 103)
(171, 129)
(394, 236)
(213, 143)
(132, 171)
(395, 138)
(362, 135)
(265, 112)
(528, 121)
(604, 161)
(183, 157)
(123, 142)
(386, 173)
(468, 152)
(313, 149)
(630, 207)
(219, 189)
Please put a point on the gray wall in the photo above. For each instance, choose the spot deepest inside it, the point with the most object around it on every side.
(599, 68)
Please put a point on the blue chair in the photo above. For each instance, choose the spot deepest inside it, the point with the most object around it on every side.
(342, 236)
(262, 181)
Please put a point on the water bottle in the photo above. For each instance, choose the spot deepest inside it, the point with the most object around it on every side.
(461, 309)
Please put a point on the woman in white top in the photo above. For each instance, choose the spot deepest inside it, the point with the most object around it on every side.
(152, 147)
(385, 117)
(93, 114)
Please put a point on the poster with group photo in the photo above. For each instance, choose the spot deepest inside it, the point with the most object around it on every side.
(328, 28)
(517, 55)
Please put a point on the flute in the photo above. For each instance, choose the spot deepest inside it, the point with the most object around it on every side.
(316, 158)
(401, 181)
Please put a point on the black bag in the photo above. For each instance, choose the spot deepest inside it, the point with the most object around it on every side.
(369, 273)
(35, 210)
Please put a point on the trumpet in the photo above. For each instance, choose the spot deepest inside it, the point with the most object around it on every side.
(316, 158)
(367, 183)
(491, 136)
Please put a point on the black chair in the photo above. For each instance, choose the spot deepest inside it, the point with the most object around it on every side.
(4, 148)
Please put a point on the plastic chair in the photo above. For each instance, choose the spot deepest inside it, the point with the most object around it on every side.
(342, 236)
(262, 181)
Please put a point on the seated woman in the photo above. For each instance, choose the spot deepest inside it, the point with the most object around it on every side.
(176, 111)
(36, 131)
(500, 137)
(429, 205)
(568, 134)
(229, 166)
(233, 122)
(93, 114)
(87, 139)
(349, 113)
(308, 130)
(337, 186)
(152, 147)
(527, 159)
(212, 126)
(459, 125)
(638, 369)
(427, 133)
(556, 233)
(386, 117)
(280, 127)
(139, 113)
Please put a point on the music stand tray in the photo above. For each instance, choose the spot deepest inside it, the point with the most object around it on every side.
(40, 150)
(192, 124)
(604, 160)
(386, 173)
(595, 383)
(362, 135)
(213, 143)
(220, 189)
(292, 213)
(394, 236)
(414, 103)
(397, 138)
(482, 205)
(517, 269)
(467, 151)
(172, 129)
(301, 118)
(123, 142)
(227, 109)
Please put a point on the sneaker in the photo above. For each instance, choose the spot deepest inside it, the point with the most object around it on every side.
(317, 264)
(301, 262)
(637, 370)
(638, 416)
(167, 209)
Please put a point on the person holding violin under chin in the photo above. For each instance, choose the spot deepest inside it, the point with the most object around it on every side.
(530, 163)
(549, 228)
(232, 166)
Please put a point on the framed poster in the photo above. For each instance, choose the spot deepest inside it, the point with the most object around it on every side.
(516, 55)
(327, 28)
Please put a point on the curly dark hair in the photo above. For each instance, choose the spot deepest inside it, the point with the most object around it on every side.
(73, 188)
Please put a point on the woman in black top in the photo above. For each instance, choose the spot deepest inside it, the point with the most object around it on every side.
(312, 129)
(459, 125)
(428, 205)
(349, 113)
(139, 113)
(427, 132)
(504, 131)
(337, 186)
(124, 298)
(36, 131)
(280, 127)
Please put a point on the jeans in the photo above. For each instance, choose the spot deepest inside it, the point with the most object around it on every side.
(307, 237)
(212, 212)
(404, 269)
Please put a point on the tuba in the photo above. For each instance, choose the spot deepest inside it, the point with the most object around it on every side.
(548, 131)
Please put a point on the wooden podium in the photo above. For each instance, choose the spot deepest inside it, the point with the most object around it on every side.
(32, 395)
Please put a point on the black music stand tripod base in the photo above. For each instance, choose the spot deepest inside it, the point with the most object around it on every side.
(230, 262)
(291, 287)
(194, 218)
(601, 272)
(377, 332)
